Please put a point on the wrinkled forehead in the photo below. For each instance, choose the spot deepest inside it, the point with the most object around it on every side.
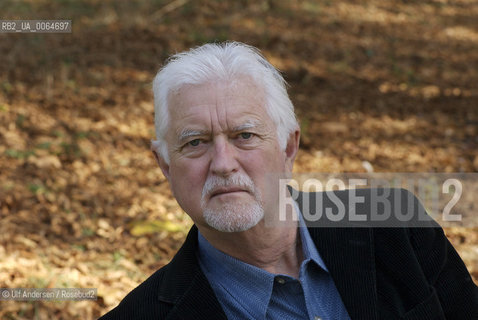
(240, 97)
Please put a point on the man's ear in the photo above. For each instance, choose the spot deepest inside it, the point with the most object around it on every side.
(162, 163)
(291, 149)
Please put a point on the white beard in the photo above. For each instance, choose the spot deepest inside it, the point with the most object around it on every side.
(232, 217)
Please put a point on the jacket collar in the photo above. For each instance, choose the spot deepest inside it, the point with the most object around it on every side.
(347, 252)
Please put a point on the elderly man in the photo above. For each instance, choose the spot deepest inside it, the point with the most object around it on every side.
(223, 122)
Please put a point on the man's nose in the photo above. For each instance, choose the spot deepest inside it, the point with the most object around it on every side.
(223, 158)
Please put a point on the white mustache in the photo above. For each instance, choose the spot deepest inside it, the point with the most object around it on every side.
(239, 180)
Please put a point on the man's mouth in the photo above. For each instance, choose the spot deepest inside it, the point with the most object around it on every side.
(229, 190)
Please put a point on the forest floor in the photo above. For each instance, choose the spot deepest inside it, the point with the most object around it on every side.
(388, 85)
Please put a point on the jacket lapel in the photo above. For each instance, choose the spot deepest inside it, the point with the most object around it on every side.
(198, 302)
(186, 287)
(348, 254)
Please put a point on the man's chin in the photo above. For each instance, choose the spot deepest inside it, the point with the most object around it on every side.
(233, 220)
(234, 228)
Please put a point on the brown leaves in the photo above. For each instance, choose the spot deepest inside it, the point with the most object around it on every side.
(82, 202)
(141, 228)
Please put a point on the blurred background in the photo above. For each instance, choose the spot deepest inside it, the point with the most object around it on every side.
(382, 85)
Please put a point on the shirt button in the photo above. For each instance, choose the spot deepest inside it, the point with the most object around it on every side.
(317, 318)
(280, 280)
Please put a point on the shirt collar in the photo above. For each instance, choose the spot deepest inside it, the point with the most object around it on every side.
(308, 247)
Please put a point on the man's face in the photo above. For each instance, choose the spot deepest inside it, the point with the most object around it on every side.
(222, 143)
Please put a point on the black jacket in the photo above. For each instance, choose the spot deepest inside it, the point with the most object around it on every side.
(380, 273)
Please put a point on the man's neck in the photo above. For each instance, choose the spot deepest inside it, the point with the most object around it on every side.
(277, 249)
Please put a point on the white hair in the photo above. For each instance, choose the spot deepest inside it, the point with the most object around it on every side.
(221, 62)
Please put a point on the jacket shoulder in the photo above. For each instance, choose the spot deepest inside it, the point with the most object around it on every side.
(420, 264)
(157, 295)
(143, 301)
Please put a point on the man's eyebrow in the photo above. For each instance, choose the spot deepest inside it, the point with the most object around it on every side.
(247, 125)
(187, 133)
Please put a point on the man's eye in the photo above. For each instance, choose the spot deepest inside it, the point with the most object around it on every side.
(246, 135)
(194, 142)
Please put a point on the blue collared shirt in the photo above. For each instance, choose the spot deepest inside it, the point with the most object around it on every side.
(248, 292)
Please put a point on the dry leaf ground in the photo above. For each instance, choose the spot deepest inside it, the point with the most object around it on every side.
(82, 203)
